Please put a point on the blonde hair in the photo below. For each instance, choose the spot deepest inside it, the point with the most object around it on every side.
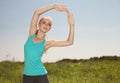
(45, 17)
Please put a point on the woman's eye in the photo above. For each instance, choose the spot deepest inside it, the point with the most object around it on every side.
(43, 22)
(49, 24)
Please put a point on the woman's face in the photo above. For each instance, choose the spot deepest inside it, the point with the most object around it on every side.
(45, 25)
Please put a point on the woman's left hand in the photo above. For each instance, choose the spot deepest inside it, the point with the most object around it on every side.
(63, 8)
(60, 7)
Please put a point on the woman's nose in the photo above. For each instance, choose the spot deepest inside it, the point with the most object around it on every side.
(46, 24)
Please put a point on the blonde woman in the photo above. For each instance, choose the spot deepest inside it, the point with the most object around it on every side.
(36, 44)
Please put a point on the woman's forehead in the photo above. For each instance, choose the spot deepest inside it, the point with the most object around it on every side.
(46, 19)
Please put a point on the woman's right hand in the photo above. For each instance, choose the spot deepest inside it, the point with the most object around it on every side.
(60, 7)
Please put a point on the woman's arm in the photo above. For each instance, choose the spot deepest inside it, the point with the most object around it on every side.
(37, 13)
(70, 38)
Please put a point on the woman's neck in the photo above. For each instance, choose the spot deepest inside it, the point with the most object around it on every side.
(40, 35)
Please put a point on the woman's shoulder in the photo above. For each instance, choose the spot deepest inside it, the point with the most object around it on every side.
(49, 41)
(31, 36)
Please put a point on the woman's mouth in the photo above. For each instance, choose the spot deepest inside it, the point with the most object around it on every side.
(44, 28)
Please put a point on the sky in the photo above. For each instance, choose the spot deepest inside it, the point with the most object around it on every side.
(97, 28)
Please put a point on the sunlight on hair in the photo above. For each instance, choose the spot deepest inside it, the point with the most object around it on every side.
(46, 17)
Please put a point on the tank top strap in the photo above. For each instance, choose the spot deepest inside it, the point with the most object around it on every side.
(32, 36)
(44, 40)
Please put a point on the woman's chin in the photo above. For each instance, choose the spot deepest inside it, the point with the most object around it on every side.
(44, 31)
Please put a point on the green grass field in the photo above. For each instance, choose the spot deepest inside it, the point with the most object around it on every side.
(90, 71)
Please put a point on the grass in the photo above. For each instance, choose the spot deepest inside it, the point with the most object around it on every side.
(10, 72)
(90, 71)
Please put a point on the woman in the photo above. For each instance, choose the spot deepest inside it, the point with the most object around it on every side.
(36, 44)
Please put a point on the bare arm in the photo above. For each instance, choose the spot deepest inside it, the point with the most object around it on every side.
(70, 38)
(37, 13)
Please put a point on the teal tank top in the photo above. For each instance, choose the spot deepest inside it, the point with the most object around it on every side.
(32, 57)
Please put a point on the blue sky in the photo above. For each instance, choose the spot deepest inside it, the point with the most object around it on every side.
(97, 28)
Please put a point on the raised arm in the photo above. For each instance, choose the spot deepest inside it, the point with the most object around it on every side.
(70, 39)
(37, 13)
